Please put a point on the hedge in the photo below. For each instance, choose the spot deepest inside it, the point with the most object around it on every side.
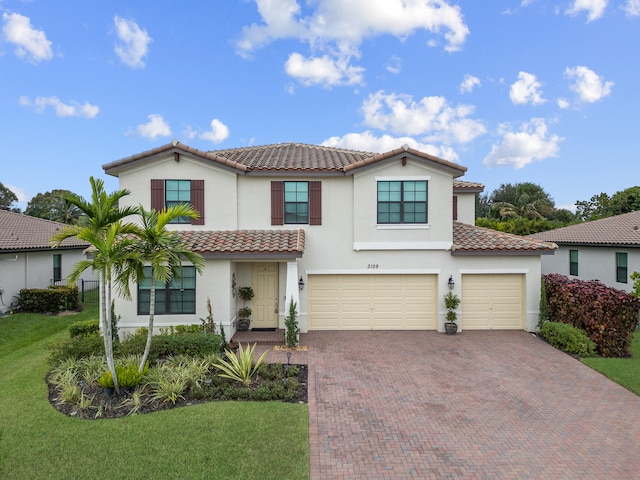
(48, 300)
(568, 339)
(608, 316)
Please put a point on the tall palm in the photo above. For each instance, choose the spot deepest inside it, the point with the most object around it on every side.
(101, 226)
(164, 251)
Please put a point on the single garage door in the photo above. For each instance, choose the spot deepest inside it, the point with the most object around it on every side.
(493, 302)
(372, 302)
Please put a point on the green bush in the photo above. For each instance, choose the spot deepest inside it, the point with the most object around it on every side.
(164, 345)
(568, 338)
(48, 300)
(85, 328)
(76, 348)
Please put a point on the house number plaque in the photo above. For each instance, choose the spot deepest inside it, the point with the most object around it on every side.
(372, 266)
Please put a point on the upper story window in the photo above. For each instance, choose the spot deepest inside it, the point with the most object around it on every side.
(621, 267)
(296, 203)
(573, 262)
(166, 193)
(402, 201)
(175, 193)
(176, 297)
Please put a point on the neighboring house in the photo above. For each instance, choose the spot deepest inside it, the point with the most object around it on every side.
(607, 250)
(358, 240)
(27, 259)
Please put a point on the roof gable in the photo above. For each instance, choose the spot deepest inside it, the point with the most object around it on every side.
(284, 158)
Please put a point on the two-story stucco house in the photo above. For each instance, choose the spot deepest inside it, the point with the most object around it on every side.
(358, 240)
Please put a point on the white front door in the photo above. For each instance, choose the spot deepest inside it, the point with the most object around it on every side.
(265, 301)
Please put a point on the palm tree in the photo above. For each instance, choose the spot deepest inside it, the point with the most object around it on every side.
(162, 250)
(525, 200)
(101, 226)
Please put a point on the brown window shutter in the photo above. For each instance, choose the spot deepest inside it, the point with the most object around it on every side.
(197, 200)
(277, 203)
(157, 194)
(315, 203)
(455, 207)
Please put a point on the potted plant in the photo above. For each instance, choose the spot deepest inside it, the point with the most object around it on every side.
(244, 314)
(452, 302)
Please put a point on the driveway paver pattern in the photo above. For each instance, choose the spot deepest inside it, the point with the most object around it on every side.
(477, 405)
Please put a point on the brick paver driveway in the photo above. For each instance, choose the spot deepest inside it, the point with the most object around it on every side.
(477, 405)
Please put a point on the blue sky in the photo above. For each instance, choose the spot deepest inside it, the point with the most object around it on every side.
(514, 90)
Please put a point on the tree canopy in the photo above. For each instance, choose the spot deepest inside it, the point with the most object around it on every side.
(602, 206)
(7, 199)
(52, 206)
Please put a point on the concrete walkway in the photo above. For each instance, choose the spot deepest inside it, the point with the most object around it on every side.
(477, 405)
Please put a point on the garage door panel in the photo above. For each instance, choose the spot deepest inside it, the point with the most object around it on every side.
(492, 301)
(378, 302)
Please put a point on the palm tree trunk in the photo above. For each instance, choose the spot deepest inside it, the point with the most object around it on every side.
(152, 311)
(108, 337)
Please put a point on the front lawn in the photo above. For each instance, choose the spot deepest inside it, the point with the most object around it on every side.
(625, 371)
(265, 440)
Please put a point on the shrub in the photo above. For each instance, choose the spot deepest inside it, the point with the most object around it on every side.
(240, 368)
(568, 338)
(85, 328)
(76, 348)
(292, 332)
(128, 376)
(48, 300)
(608, 316)
(164, 345)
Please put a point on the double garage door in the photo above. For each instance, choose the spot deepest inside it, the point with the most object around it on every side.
(409, 302)
(372, 302)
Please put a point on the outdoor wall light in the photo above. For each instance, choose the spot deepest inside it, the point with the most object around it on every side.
(301, 283)
(451, 283)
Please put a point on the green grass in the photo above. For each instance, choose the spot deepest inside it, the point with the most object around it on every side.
(625, 371)
(226, 440)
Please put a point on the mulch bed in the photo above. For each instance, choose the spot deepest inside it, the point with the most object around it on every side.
(115, 406)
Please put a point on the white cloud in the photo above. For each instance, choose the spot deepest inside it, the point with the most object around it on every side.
(518, 149)
(368, 142)
(21, 194)
(74, 109)
(563, 103)
(394, 65)
(31, 44)
(155, 127)
(632, 8)
(133, 43)
(469, 83)
(594, 8)
(589, 86)
(323, 70)
(219, 132)
(336, 27)
(432, 117)
(526, 90)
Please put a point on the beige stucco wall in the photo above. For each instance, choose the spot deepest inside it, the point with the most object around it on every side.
(467, 208)
(594, 263)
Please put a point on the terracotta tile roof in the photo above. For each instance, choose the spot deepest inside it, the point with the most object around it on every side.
(472, 240)
(463, 186)
(619, 230)
(20, 232)
(281, 158)
(245, 242)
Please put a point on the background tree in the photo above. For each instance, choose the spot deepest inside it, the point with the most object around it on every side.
(526, 200)
(101, 226)
(52, 206)
(602, 206)
(7, 199)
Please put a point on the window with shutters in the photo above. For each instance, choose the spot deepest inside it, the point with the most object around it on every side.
(167, 193)
(296, 203)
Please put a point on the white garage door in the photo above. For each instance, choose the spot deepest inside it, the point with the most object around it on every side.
(493, 302)
(372, 302)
